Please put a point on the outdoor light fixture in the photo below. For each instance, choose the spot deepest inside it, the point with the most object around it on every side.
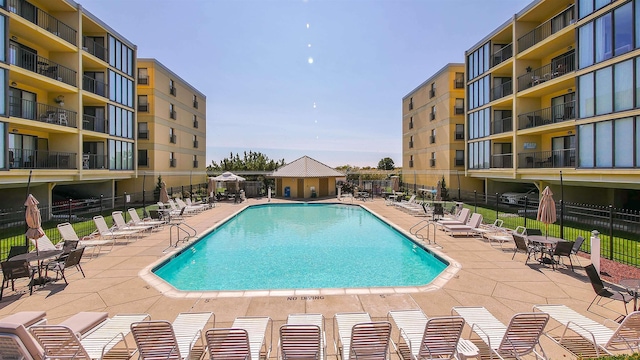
(59, 100)
(13, 83)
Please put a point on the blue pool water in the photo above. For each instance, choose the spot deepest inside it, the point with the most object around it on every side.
(301, 246)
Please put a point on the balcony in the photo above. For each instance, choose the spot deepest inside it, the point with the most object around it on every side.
(173, 115)
(94, 86)
(502, 90)
(31, 110)
(410, 125)
(172, 139)
(143, 80)
(41, 159)
(550, 71)
(502, 55)
(195, 164)
(433, 116)
(432, 139)
(411, 106)
(195, 124)
(410, 163)
(501, 125)
(548, 159)
(173, 90)
(40, 18)
(94, 161)
(550, 115)
(143, 134)
(93, 123)
(143, 161)
(93, 48)
(459, 110)
(502, 161)
(172, 162)
(546, 29)
(195, 144)
(459, 162)
(40, 65)
(195, 104)
(410, 144)
(459, 135)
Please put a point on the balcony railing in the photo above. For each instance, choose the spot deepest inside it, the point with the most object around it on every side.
(459, 162)
(432, 162)
(173, 115)
(432, 93)
(195, 124)
(143, 134)
(90, 122)
(547, 159)
(502, 55)
(501, 125)
(31, 110)
(93, 48)
(172, 162)
(172, 139)
(41, 159)
(432, 139)
(502, 90)
(41, 65)
(94, 161)
(550, 71)
(143, 107)
(502, 161)
(195, 104)
(143, 80)
(546, 29)
(173, 90)
(410, 125)
(37, 16)
(95, 86)
(195, 144)
(550, 115)
(143, 161)
(459, 135)
(410, 144)
(458, 84)
(410, 163)
(433, 116)
(459, 110)
(195, 163)
(410, 106)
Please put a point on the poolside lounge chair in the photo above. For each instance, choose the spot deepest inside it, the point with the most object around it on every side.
(121, 224)
(244, 340)
(422, 338)
(44, 244)
(196, 205)
(26, 318)
(69, 234)
(315, 321)
(300, 342)
(135, 218)
(603, 291)
(471, 228)
(519, 338)
(110, 233)
(614, 337)
(190, 209)
(16, 343)
(461, 219)
(184, 210)
(62, 341)
(359, 337)
(161, 339)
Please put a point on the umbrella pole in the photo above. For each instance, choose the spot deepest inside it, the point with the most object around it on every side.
(144, 204)
(26, 226)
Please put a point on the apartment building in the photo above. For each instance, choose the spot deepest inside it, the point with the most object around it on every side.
(67, 102)
(556, 90)
(171, 129)
(433, 131)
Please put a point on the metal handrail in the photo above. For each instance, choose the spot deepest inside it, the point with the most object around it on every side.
(92, 123)
(94, 48)
(547, 28)
(95, 86)
(550, 115)
(547, 72)
(501, 125)
(502, 55)
(178, 229)
(502, 90)
(27, 109)
(42, 19)
(40, 65)
(502, 161)
(40, 159)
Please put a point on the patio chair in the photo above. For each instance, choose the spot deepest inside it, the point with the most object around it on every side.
(523, 245)
(533, 232)
(244, 340)
(135, 218)
(562, 249)
(603, 291)
(61, 341)
(17, 250)
(189, 209)
(107, 233)
(121, 224)
(361, 338)
(68, 233)
(422, 338)
(519, 338)
(14, 270)
(178, 340)
(316, 320)
(576, 248)
(71, 260)
(612, 336)
(473, 227)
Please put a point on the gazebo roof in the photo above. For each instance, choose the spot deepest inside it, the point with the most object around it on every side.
(306, 167)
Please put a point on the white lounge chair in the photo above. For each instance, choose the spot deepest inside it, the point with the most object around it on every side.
(198, 204)
(612, 336)
(300, 342)
(422, 338)
(68, 233)
(244, 340)
(461, 219)
(184, 210)
(121, 224)
(178, 340)
(61, 341)
(313, 320)
(519, 338)
(473, 227)
(190, 209)
(359, 337)
(109, 233)
(135, 219)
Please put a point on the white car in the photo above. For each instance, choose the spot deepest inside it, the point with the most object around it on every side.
(515, 198)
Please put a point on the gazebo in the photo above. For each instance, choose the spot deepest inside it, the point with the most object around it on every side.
(306, 178)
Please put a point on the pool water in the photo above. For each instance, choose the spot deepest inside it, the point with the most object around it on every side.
(301, 246)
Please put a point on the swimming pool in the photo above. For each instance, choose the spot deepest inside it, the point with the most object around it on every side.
(301, 246)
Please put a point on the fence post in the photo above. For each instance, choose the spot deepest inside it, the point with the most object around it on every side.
(124, 206)
(459, 197)
(475, 201)
(497, 199)
(610, 232)
(526, 205)
(561, 219)
(70, 201)
(101, 198)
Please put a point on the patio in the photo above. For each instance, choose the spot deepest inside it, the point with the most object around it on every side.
(488, 278)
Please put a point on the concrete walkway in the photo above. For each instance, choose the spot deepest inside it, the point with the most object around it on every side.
(488, 278)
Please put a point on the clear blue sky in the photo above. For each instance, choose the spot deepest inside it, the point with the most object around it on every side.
(251, 59)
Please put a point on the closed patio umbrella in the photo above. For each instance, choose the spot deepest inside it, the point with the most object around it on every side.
(211, 188)
(547, 209)
(164, 196)
(32, 217)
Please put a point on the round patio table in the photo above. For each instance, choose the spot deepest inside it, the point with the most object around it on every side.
(547, 241)
(633, 287)
(38, 256)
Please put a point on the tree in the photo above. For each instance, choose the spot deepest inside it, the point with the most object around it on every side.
(444, 192)
(251, 161)
(156, 191)
(386, 164)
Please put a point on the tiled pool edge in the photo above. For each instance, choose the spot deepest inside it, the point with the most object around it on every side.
(168, 290)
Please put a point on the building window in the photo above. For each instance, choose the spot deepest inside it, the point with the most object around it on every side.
(120, 56)
(120, 122)
(459, 107)
(411, 142)
(479, 123)
(195, 121)
(411, 104)
(432, 92)
(459, 157)
(120, 89)
(432, 161)
(411, 123)
(143, 157)
(172, 159)
(459, 133)
(478, 154)
(172, 112)
(143, 131)
(433, 112)
(432, 138)
(587, 7)
(459, 81)
(195, 161)
(195, 101)
(195, 141)
(410, 161)
(143, 76)
(478, 92)
(609, 35)
(478, 61)
(143, 104)
(120, 155)
(172, 135)
(172, 88)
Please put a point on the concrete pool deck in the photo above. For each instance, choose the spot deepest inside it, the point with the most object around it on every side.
(487, 277)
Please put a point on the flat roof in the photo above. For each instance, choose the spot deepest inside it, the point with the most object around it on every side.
(163, 67)
(438, 73)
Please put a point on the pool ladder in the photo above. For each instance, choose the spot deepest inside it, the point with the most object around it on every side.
(180, 227)
(422, 224)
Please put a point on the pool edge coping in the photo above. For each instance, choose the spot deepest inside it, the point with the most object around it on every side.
(168, 290)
